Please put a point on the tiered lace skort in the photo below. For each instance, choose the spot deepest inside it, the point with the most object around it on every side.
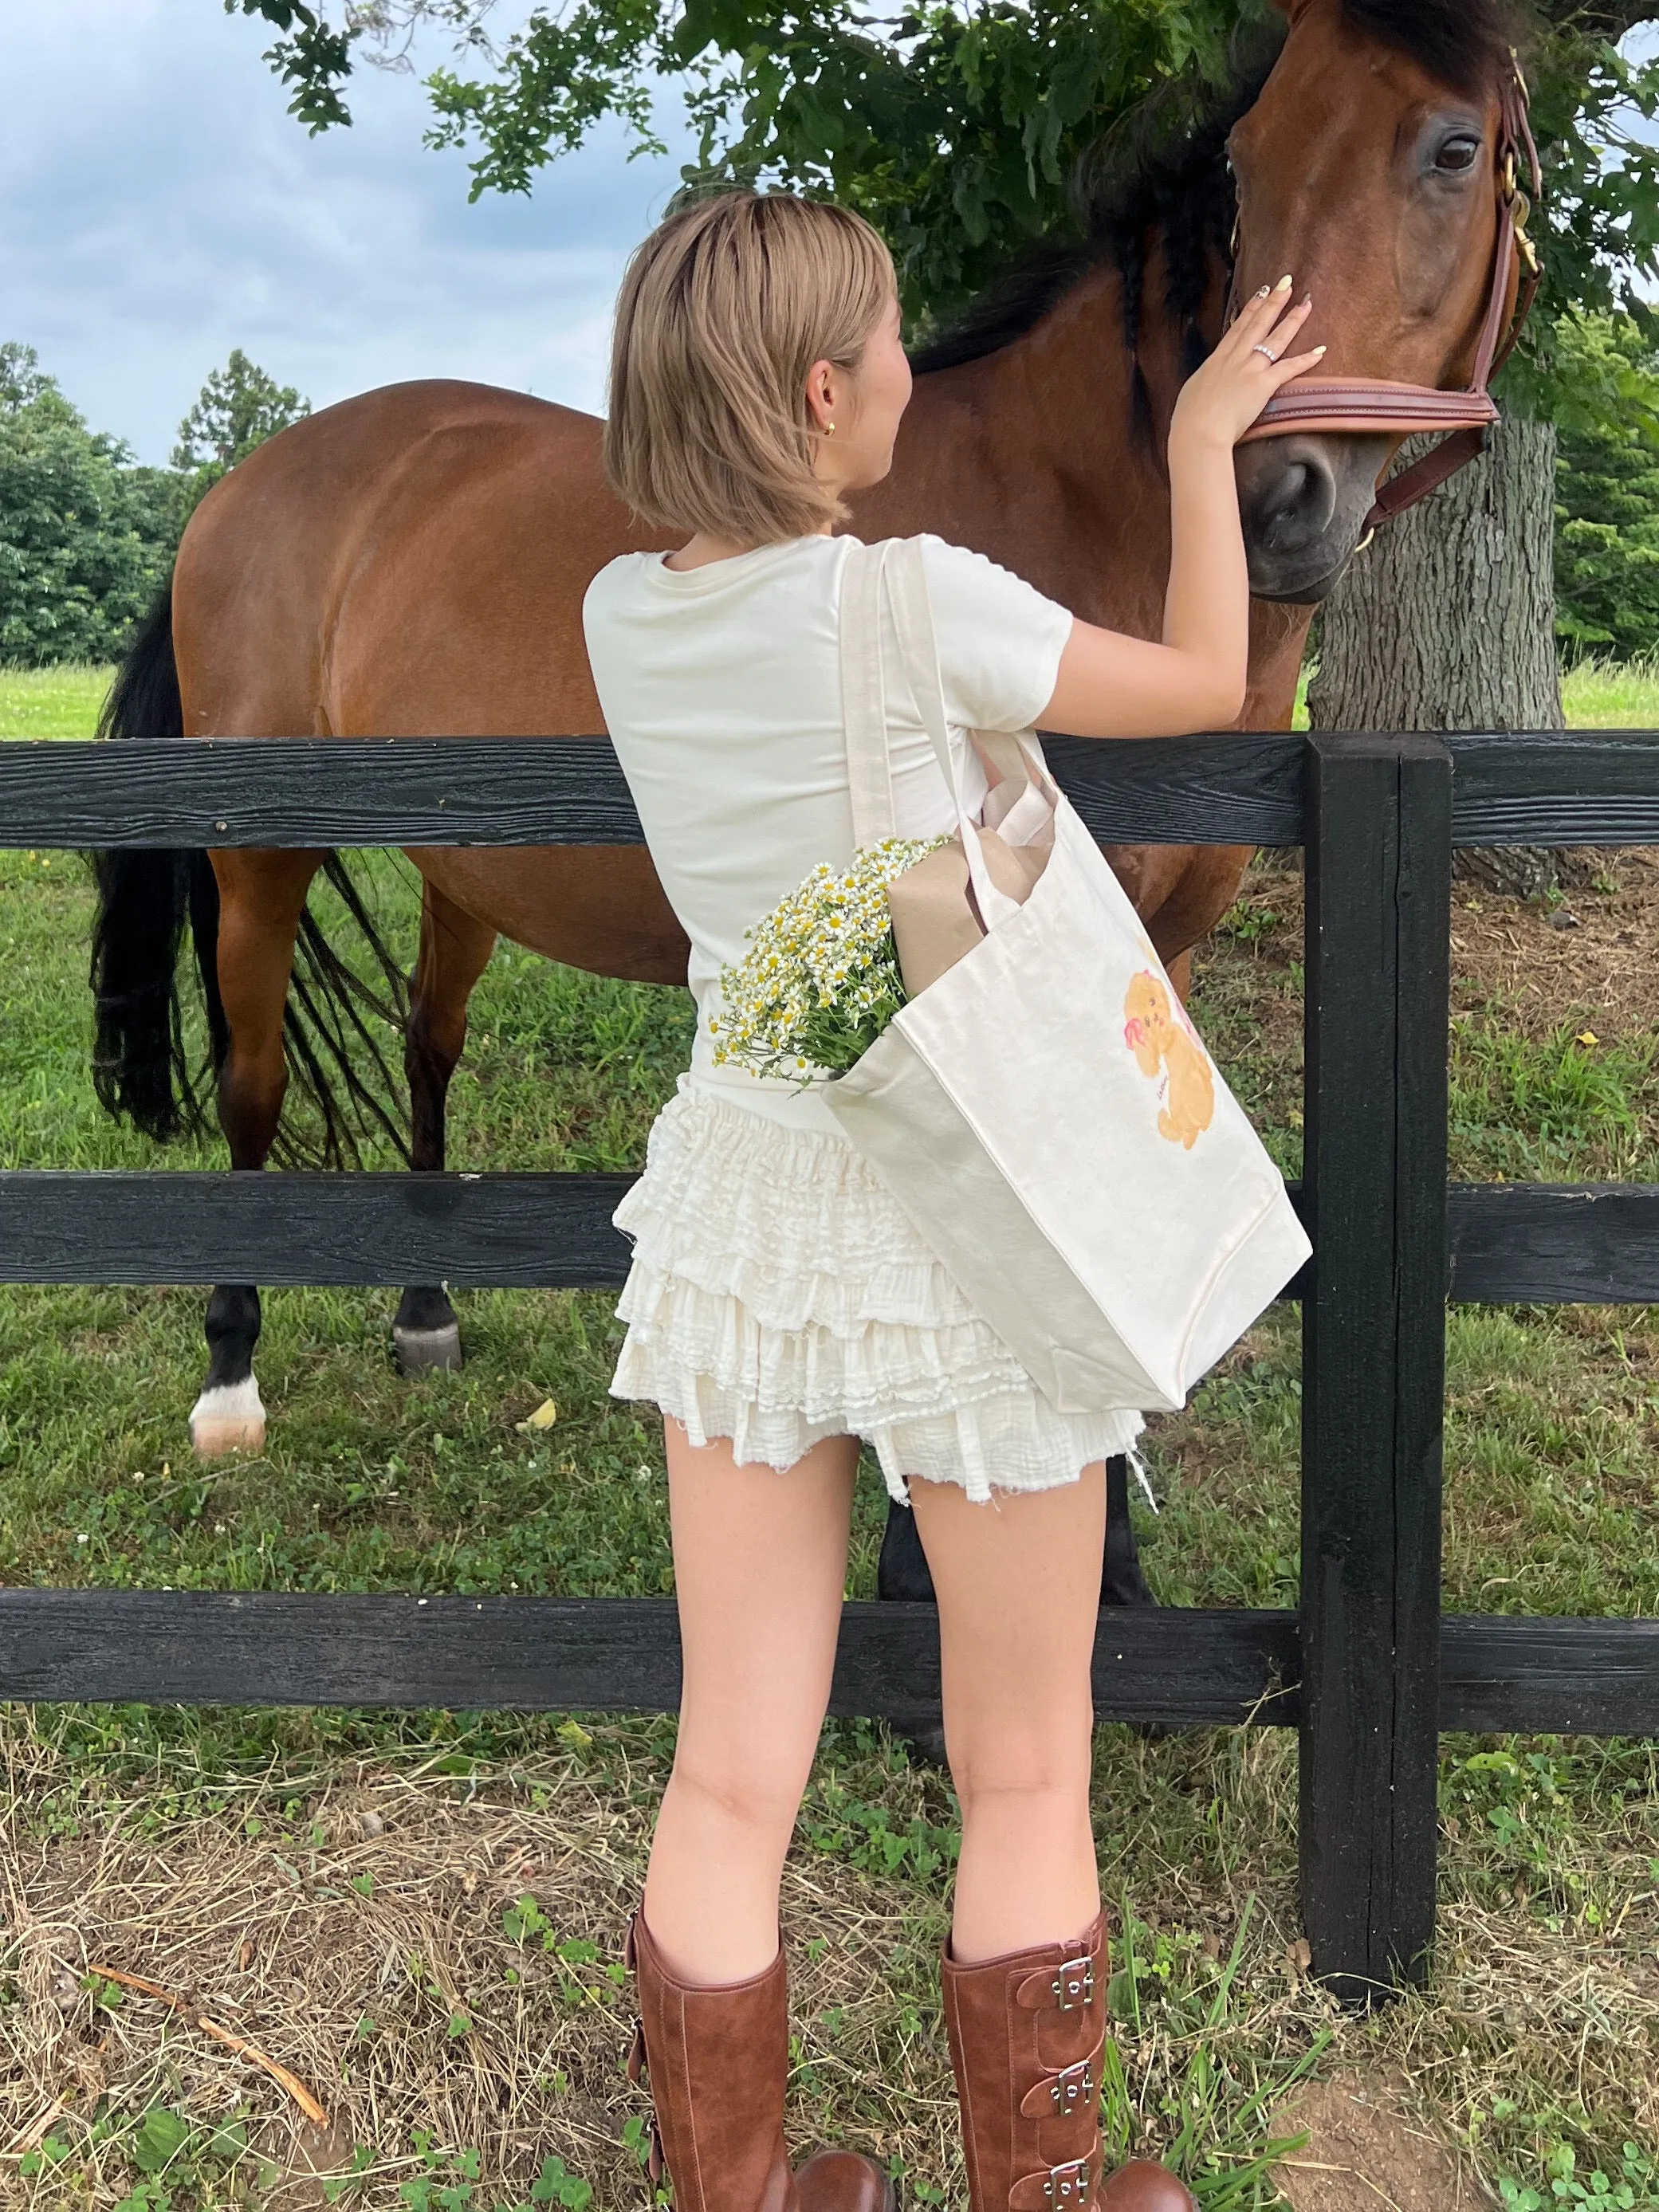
(778, 1295)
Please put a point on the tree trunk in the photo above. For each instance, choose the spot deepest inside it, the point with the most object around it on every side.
(1447, 621)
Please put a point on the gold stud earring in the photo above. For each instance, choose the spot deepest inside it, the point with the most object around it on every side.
(829, 429)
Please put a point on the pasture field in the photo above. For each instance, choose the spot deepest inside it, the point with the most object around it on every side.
(1610, 695)
(51, 703)
(420, 1915)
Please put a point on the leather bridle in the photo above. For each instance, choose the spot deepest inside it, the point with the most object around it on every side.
(1371, 404)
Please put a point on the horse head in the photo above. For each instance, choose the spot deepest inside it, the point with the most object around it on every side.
(1371, 167)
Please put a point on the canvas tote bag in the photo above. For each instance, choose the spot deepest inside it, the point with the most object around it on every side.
(1042, 1108)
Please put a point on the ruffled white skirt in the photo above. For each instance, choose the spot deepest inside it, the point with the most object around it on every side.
(778, 1295)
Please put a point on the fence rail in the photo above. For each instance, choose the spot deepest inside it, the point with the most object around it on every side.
(1507, 1243)
(1590, 788)
(1366, 1669)
(1171, 1667)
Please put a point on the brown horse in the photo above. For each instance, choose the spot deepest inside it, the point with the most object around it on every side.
(413, 562)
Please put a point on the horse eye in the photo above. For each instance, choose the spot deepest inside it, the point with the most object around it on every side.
(1458, 156)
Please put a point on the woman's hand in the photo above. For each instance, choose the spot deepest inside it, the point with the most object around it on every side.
(1220, 401)
(1196, 678)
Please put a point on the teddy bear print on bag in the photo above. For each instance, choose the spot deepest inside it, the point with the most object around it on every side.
(1161, 1038)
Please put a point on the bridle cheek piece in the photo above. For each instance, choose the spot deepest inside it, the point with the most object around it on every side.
(1371, 403)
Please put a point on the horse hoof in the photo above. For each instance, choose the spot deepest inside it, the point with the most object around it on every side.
(229, 1417)
(419, 1350)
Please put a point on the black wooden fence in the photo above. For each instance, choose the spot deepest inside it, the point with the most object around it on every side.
(1367, 1670)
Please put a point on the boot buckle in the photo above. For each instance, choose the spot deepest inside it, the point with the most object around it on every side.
(1067, 2187)
(1072, 2088)
(1074, 1983)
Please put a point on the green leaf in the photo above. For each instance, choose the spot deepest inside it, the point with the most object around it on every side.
(159, 2137)
(555, 2185)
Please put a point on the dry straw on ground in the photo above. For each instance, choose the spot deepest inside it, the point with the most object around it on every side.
(1592, 951)
(362, 1948)
(514, 2049)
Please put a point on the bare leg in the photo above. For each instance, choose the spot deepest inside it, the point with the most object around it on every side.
(1019, 1585)
(903, 1573)
(760, 1566)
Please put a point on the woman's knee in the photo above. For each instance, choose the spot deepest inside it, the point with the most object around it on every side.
(756, 1793)
(1050, 1770)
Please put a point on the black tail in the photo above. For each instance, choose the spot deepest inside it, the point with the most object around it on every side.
(140, 1069)
(141, 1065)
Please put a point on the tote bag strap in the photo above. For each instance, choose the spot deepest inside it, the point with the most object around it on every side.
(864, 696)
(913, 614)
(906, 583)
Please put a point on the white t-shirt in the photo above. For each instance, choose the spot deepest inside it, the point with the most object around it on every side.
(721, 691)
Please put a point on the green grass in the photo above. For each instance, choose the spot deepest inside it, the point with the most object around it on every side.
(51, 703)
(1610, 695)
(373, 1482)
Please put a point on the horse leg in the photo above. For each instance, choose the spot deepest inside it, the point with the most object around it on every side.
(902, 1574)
(454, 952)
(262, 897)
(1122, 1582)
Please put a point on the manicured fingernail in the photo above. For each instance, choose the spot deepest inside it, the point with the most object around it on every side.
(1283, 285)
(1319, 349)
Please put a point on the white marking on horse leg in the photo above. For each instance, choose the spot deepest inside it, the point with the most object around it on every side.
(229, 1417)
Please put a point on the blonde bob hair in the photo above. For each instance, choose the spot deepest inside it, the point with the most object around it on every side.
(723, 310)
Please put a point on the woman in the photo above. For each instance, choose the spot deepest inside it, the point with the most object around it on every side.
(781, 1307)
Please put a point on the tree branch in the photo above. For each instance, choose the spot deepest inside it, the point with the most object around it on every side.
(1598, 19)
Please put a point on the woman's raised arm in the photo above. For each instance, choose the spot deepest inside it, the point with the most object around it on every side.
(1113, 686)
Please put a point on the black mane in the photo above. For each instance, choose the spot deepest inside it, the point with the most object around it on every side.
(1465, 43)
(1162, 173)
(1011, 304)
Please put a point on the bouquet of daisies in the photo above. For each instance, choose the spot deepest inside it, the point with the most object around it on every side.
(821, 979)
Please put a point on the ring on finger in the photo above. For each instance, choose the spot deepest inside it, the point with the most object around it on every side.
(1266, 350)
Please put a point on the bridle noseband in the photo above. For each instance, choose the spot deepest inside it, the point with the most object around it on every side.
(1371, 404)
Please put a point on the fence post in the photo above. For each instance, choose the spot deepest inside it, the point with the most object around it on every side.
(1379, 879)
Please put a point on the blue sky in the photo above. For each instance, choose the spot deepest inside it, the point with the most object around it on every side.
(158, 206)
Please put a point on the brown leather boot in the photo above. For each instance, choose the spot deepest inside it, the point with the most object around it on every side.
(719, 2061)
(1027, 2032)
(841, 2181)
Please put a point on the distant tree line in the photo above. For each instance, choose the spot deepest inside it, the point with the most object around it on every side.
(1607, 489)
(87, 533)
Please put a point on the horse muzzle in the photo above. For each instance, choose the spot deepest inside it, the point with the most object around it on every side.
(1304, 501)
(1308, 466)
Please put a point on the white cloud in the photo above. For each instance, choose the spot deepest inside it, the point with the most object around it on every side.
(158, 207)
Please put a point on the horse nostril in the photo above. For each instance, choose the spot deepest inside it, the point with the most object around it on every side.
(1289, 495)
(1297, 505)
